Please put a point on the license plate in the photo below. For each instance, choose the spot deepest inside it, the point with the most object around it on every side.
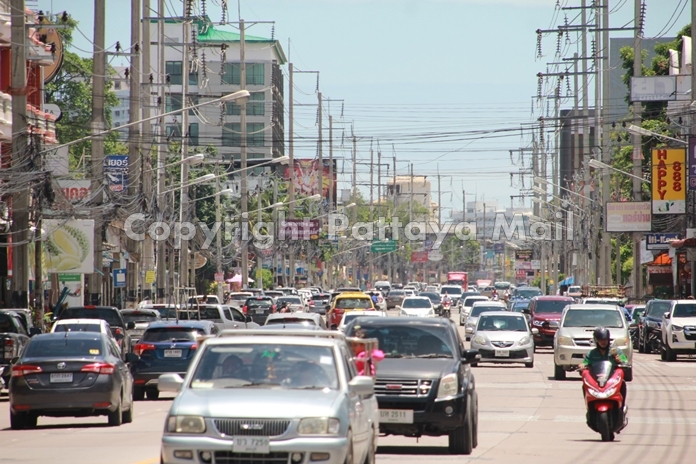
(396, 416)
(260, 310)
(172, 353)
(502, 354)
(257, 445)
(63, 377)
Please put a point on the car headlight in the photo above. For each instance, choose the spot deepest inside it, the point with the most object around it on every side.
(185, 424)
(652, 324)
(449, 386)
(524, 340)
(567, 341)
(480, 340)
(553, 324)
(677, 328)
(319, 426)
(621, 342)
(602, 395)
(537, 323)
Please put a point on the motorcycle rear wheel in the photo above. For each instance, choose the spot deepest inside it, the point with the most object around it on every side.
(603, 426)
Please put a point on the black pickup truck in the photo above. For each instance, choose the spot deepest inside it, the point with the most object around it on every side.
(13, 338)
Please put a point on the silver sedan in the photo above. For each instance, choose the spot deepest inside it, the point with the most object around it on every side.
(503, 337)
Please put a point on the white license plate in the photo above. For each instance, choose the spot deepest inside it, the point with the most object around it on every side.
(257, 445)
(172, 353)
(63, 377)
(502, 353)
(396, 416)
(260, 310)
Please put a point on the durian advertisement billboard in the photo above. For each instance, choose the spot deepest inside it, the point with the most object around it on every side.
(69, 245)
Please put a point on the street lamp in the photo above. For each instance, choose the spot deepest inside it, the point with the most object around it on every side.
(594, 163)
(637, 130)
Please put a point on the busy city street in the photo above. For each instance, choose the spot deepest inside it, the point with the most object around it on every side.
(525, 417)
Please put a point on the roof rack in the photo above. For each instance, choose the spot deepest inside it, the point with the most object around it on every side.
(283, 333)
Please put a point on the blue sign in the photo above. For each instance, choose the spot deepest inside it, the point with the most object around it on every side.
(116, 172)
(659, 241)
(119, 278)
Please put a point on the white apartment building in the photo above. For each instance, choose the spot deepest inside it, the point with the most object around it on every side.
(120, 114)
(399, 191)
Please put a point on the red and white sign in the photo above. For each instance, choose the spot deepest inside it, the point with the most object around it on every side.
(219, 277)
(419, 256)
(75, 190)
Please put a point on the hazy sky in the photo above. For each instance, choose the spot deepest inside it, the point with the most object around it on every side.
(443, 84)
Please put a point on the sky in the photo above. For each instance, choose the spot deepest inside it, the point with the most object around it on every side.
(445, 85)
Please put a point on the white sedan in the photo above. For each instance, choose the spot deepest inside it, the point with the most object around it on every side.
(348, 316)
(503, 337)
(417, 306)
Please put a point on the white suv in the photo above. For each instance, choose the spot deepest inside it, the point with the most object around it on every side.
(678, 330)
(574, 337)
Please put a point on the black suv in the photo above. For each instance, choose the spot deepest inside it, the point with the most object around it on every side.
(259, 307)
(650, 326)
(109, 314)
(424, 385)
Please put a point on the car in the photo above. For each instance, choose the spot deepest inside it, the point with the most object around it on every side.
(520, 306)
(573, 339)
(238, 298)
(142, 318)
(293, 302)
(215, 313)
(13, 339)
(465, 307)
(476, 310)
(465, 295)
(454, 291)
(288, 290)
(348, 301)
(26, 318)
(239, 320)
(424, 385)
(110, 314)
(349, 316)
(678, 330)
(259, 307)
(380, 303)
(545, 314)
(432, 288)
(394, 298)
(272, 396)
(204, 299)
(295, 318)
(275, 294)
(166, 311)
(435, 299)
(650, 325)
(254, 291)
(318, 302)
(410, 292)
(574, 291)
(526, 293)
(82, 325)
(165, 347)
(383, 286)
(417, 306)
(70, 374)
(503, 337)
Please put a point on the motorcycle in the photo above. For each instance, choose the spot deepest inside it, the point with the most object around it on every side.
(606, 412)
(446, 309)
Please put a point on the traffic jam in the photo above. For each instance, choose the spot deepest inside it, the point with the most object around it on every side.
(318, 376)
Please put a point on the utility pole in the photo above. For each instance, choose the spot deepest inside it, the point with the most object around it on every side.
(218, 236)
(693, 123)
(410, 201)
(134, 160)
(275, 234)
(589, 260)
(320, 156)
(393, 256)
(439, 215)
(599, 246)
(331, 165)
(379, 182)
(291, 187)
(148, 245)
(463, 205)
(637, 141)
(606, 142)
(161, 156)
(576, 162)
(356, 280)
(259, 258)
(372, 206)
(243, 156)
(98, 125)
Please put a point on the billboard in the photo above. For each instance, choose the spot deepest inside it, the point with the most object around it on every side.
(69, 246)
(659, 241)
(692, 162)
(75, 190)
(116, 172)
(419, 256)
(653, 88)
(299, 229)
(307, 177)
(523, 255)
(669, 181)
(628, 216)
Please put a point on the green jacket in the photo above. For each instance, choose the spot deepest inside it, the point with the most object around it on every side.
(595, 356)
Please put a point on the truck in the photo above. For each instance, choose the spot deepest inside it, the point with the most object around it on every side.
(458, 278)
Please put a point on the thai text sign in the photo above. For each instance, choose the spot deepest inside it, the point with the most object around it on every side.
(669, 181)
(628, 216)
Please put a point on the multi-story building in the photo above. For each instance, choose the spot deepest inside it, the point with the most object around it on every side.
(120, 114)
(399, 190)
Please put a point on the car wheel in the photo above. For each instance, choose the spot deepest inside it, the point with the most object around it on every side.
(30, 421)
(529, 364)
(116, 416)
(349, 453)
(474, 433)
(558, 372)
(127, 416)
(460, 439)
(152, 393)
(628, 374)
(670, 354)
(663, 355)
(138, 393)
(16, 421)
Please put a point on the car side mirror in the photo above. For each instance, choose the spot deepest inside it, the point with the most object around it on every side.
(170, 383)
(248, 318)
(132, 358)
(362, 385)
(535, 331)
(14, 360)
(34, 331)
(666, 315)
(130, 325)
(525, 311)
(471, 356)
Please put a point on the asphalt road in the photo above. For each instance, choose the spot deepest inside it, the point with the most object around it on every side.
(525, 417)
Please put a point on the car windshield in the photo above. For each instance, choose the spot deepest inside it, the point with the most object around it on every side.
(527, 292)
(354, 303)
(502, 323)
(320, 297)
(169, 334)
(210, 313)
(290, 300)
(108, 314)
(240, 297)
(290, 319)
(609, 318)
(470, 301)
(403, 341)
(657, 309)
(165, 311)
(684, 310)
(451, 290)
(350, 316)
(257, 303)
(259, 365)
(138, 317)
(550, 306)
(64, 347)
(434, 297)
(482, 309)
(575, 289)
(517, 307)
(6, 324)
(416, 303)
(397, 293)
(77, 328)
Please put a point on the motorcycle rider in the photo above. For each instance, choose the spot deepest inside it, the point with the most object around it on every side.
(602, 352)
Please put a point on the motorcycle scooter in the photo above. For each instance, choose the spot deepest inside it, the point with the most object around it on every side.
(446, 309)
(606, 413)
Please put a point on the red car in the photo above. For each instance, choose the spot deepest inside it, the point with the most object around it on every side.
(545, 313)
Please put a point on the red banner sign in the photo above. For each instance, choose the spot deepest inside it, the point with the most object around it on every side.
(419, 256)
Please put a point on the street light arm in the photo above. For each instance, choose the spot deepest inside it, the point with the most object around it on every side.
(600, 165)
(637, 130)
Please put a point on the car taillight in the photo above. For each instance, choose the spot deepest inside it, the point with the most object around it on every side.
(311, 303)
(140, 348)
(244, 309)
(25, 369)
(273, 307)
(194, 347)
(99, 368)
(118, 331)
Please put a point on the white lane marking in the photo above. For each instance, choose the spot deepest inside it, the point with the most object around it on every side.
(578, 386)
(517, 386)
(488, 417)
(636, 420)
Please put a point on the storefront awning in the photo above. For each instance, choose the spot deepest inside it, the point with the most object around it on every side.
(685, 243)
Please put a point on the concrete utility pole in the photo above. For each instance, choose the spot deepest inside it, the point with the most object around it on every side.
(331, 165)
(588, 258)
(356, 280)
(372, 206)
(379, 183)
(291, 186)
(161, 157)
(243, 156)
(410, 201)
(393, 256)
(184, 199)
(693, 118)
(218, 236)
(134, 134)
(320, 155)
(98, 125)
(599, 245)
(575, 256)
(20, 200)
(145, 70)
(637, 148)
(606, 140)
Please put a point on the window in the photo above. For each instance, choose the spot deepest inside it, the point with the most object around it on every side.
(173, 103)
(117, 113)
(193, 134)
(231, 135)
(192, 100)
(173, 68)
(256, 136)
(193, 75)
(173, 131)
(230, 74)
(255, 74)
(255, 106)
